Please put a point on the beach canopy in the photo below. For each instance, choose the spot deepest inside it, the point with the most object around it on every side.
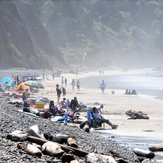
(33, 83)
(27, 75)
(6, 79)
(23, 86)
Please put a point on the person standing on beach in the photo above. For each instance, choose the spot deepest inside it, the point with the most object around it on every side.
(66, 82)
(62, 80)
(58, 92)
(78, 85)
(103, 86)
(73, 84)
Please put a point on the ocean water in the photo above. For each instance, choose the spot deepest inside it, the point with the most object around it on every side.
(151, 85)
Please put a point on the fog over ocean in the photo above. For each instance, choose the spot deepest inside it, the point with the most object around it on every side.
(151, 85)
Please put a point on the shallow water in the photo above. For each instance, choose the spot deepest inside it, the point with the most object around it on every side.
(136, 142)
(144, 84)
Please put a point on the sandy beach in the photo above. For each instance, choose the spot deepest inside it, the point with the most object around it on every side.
(114, 109)
(115, 105)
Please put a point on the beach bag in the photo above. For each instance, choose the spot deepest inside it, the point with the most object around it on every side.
(64, 91)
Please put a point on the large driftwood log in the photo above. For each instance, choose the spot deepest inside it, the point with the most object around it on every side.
(52, 149)
(17, 136)
(144, 153)
(155, 148)
(66, 148)
(30, 149)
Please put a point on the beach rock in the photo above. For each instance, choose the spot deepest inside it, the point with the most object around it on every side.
(94, 158)
(71, 142)
(156, 148)
(52, 149)
(30, 149)
(67, 157)
(144, 153)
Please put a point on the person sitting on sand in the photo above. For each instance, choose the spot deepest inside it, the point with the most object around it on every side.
(101, 120)
(62, 104)
(52, 108)
(74, 104)
(46, 114)
(26, 99)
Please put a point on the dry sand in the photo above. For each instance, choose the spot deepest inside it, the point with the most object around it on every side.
(115, 105)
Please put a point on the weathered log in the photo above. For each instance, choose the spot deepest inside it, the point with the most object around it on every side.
(59, 138)
(17, 136)
(66, 148)
(86, 127)
(52, 149)
(144, 153)
(30, 149)
(34, 131)
(67, 157)
(155, 148)
(71, 142)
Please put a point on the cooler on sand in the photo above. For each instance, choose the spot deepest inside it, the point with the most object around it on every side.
(40, 104)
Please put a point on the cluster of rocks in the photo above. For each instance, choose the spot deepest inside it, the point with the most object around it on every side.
(93, 143)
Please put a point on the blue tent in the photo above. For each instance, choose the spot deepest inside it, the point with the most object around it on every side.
(27, 75)
(9, 85)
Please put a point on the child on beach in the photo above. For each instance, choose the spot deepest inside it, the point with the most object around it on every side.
(25, 98)
(62, 104)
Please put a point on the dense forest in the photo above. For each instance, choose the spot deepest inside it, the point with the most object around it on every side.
(46, 33)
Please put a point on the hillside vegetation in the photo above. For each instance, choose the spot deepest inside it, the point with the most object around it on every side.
(123, 33)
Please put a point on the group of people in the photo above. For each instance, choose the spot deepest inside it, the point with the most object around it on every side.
(131, 92)
(77, 85)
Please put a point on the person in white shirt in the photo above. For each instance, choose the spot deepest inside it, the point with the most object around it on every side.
(100, 119)
(103, 86)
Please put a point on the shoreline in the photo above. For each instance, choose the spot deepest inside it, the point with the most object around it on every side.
(115, 106)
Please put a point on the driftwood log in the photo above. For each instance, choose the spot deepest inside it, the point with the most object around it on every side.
(155, 148)
(34, 131)
(66, 148)
(30, 149)
(17, 135)
(137, 114)
(144, 153)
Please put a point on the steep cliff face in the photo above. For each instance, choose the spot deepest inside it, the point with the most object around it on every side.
(23, 40)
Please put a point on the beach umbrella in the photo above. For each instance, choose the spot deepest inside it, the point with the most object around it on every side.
(33, 83)
(23, 86)
(6, 79)
(27, 75)
(36, 75)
